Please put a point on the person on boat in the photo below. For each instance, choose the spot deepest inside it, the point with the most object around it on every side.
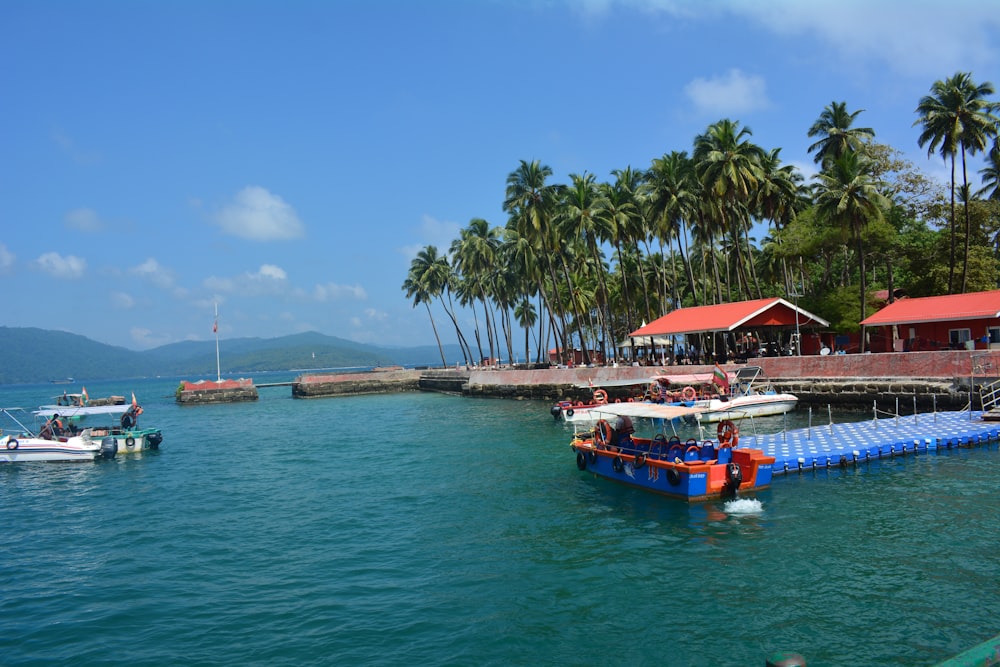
(623, 432)
(52, 429)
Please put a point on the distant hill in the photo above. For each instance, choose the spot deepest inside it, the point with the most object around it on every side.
(37, 355)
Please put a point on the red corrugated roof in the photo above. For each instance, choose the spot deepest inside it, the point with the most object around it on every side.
(974, 306)
(728, 317)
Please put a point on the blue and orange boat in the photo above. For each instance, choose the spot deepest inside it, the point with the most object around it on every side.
(690, 470)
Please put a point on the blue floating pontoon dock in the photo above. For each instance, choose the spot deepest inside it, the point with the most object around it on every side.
(848, 443)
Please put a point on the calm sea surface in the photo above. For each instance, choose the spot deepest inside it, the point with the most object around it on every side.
(422, 529)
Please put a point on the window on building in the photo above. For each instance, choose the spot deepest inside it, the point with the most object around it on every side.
(995, 334)
(958, 336)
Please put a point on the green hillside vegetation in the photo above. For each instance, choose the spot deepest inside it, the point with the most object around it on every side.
(29, 355)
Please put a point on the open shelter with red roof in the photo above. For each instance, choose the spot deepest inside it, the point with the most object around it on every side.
(772, 313)
(954, 321)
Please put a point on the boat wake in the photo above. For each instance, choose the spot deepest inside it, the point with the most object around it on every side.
(744, 506)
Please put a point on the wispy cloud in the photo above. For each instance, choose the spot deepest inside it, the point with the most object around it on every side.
(6, 258)
(334, 292)
(84, 220)
(259, 215)
(152, 271)
(731, 93)
(70, 148)
(267, 280)
(57, 266)
(438, 233)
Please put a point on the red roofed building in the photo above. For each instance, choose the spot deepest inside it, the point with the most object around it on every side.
(774, 312)
(956, 321)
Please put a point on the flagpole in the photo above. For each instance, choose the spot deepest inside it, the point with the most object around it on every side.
(215, 328)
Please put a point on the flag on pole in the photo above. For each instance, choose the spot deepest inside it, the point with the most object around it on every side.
(86, 398)
(135, 403)
(720, 377)
(215, 327)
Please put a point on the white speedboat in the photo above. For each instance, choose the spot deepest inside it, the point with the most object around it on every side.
(20, 444)
(117, 422)
(749, 394)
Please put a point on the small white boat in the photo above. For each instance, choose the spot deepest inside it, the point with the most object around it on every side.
(750, 394)
(115, 424)
(20, 444)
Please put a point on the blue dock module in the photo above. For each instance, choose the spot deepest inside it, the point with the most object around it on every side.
(849, 443)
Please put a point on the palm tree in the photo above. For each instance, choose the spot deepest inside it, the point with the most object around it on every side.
(848, 197)
(474, 254)
(581, 216)
(991, 175)
(670, 192)
(424, 282)
(957, 117)
(838, 137)
(729, 168)
(531, 203)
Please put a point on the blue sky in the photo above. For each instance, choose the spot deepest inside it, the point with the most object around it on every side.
(286, 160)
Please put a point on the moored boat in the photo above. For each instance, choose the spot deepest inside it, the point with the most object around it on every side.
(20, 444)
(689, 470)
(723, 395)
(114, 425)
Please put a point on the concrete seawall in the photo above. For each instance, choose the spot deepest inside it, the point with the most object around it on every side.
(928, 379)
(941, 379)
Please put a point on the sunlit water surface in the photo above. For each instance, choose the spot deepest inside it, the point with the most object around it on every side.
(422, 529)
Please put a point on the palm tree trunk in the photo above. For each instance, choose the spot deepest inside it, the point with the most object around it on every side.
(951, 256)
(436, 337)
(968, 225)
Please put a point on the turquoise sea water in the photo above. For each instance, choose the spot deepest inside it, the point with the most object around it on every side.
(423, 529)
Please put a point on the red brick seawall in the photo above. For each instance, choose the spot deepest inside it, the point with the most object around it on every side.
(929, 378)
(943, 365)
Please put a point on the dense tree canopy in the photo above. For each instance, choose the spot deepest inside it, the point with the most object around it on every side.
(581, 264)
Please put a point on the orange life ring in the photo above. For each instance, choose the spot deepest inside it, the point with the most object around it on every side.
(600, 396)
(654, 389)
(602, 433)
(689, 393)
(728, 434)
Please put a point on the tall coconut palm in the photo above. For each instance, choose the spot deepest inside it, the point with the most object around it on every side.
(957, 118)
(991, 175)
(728, 165)
(474, 254)
(581, 215)
(670, 191)
(531, 203)
(837, 135)
(848, 197)
(424, 282)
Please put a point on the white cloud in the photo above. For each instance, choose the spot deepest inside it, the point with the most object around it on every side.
(258, 215)
(152, 271)
(57, 266)
(122, 300)
(268, 279)
(907, 37)
(377, 315)
(334, 292)
(6, 258)
(84, 219)
(733, 93)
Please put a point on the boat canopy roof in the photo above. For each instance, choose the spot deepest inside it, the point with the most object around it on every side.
(645, 410)
(70, 411)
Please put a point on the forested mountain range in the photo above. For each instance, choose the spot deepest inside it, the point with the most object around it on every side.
(30, 355)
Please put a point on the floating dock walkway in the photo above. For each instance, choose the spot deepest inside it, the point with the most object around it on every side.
(850, 443)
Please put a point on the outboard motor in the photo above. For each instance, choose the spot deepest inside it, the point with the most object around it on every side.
(734, 477)
(109, 447)
(154, 440)
(555, 411)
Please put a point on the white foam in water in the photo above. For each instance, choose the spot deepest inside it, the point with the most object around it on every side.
(744, 506)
